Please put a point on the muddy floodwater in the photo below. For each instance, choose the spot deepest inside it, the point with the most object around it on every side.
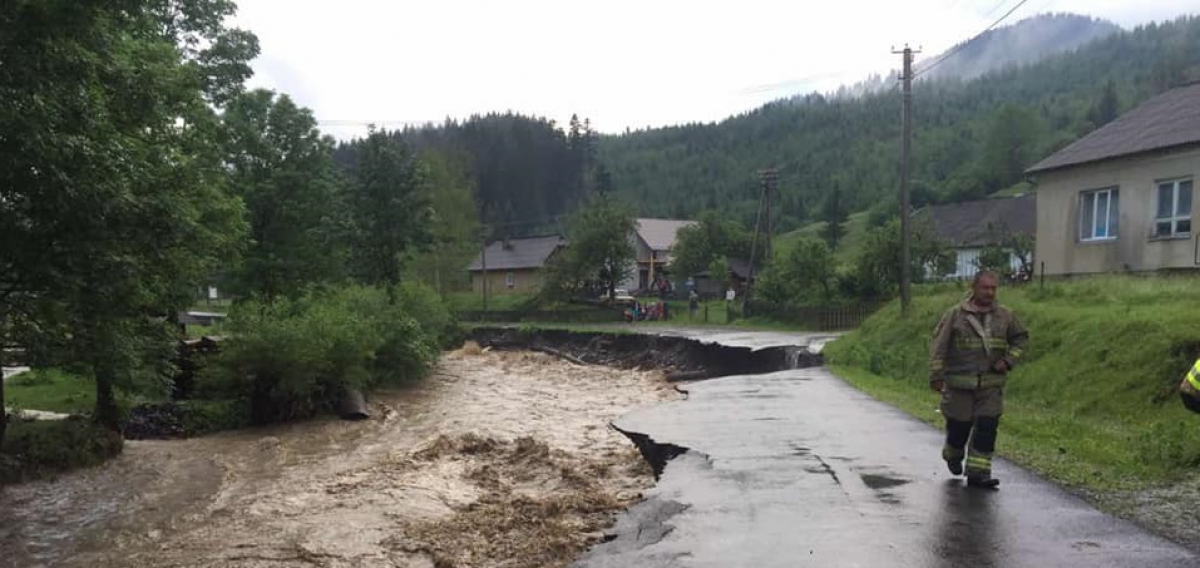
(498, 459)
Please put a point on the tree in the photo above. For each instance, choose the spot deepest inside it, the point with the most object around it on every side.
(1107, 106)
(835, 215)
(390, 204)
(1011, 146)
(112, 197)
(804, 276)
(455, 222)
(876, 271)
(709, 241)
(283, 169)
(599, 249)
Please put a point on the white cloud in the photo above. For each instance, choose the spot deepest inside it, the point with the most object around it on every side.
(622, 63)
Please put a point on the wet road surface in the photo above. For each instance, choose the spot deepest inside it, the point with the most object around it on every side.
(797, 468)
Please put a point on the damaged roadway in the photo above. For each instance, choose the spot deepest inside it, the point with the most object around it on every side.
(797, 468)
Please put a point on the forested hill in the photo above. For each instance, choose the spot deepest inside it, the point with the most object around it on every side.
(1028, 41)
(972, 138)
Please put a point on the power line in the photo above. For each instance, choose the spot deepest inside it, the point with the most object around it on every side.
(963, 45)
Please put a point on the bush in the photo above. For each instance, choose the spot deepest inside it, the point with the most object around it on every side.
(39, 448)
(294, 358)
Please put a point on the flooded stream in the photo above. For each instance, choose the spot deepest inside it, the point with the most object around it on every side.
(499, 459)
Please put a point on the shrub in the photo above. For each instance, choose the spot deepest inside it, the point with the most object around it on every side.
(294, 358)
(39, 448)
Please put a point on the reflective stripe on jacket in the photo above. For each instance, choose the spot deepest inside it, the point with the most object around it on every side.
(969, 342)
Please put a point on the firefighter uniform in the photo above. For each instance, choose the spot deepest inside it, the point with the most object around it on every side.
(968, 344)
(1189, 389)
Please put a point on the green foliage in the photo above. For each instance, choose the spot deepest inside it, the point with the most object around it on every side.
(812, 139)
(1098, 381)
(282, 168)
(294, 357)
(804, 277)
(876, 272)
(52, 390)
(600, 254)
(112, 197)
(39, 448)
(706, 244)
(389, 198)
(835, 215)
(455, 224)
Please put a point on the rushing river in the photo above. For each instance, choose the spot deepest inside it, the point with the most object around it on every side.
(498, 459)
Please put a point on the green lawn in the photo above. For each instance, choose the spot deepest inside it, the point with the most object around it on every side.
(847, 250)
(472, 301)
(1092, 405)
(52, 390)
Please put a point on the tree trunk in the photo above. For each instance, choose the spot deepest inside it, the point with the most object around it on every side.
(3, 412)
(107, 414)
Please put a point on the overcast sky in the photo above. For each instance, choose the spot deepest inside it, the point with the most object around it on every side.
(621, 63)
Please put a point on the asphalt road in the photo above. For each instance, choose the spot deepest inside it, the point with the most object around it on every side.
(797, 468)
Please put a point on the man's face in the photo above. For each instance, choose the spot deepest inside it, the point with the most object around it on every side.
(985, 290)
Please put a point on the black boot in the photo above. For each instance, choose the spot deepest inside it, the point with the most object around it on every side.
(955, 466)
(983, 480)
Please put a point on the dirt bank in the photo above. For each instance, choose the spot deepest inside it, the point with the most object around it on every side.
(500, 459)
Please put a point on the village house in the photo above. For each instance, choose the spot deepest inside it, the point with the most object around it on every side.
(1120, 198)
(653, 240)
(513, 265)
(969, 227)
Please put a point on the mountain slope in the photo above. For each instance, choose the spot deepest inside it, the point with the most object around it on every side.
(1028, 41)
(961, 128)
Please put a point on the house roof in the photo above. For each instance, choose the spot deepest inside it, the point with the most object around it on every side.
(740, 267)
(659, 234)
(981, 223)
(527, 252)
(1168, 120)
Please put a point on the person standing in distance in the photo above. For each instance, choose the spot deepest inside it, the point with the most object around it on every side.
(975, 345)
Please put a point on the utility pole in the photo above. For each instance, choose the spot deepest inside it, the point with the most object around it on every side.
(768, 178)
(905, 158)
(483, 263)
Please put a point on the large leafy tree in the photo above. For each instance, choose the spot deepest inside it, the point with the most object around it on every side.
(803, 277)
(454, 222)
(283, 169)
(707, 243)
(389, 201)
(599, 250)
(112, 201)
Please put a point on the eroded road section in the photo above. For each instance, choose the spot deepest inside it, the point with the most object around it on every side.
(797, 468)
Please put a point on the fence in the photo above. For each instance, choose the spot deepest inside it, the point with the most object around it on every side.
(820, 319)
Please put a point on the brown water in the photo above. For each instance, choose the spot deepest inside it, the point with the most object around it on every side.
(499, 459)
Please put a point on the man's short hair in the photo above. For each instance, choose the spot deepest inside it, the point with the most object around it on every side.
(983, 273)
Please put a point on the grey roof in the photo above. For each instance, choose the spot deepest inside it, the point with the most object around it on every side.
(659, 234)
(982, 223)
(526, 252)
(1169, 120)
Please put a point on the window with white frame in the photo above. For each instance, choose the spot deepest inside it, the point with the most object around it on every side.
(509, 279)
(1174, 218)
(1098, 213)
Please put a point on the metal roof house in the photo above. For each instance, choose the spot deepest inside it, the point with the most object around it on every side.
(513, 265)
(969, 227)
(1120, 198)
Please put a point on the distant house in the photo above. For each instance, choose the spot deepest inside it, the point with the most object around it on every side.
(1120, 198)
(736, 275)
(653, 240)
(513, 265)
(971, 226)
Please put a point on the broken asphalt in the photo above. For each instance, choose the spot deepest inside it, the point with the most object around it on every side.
(797, 468)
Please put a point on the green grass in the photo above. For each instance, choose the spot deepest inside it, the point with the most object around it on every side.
(848, 248)
(37, 449)
(52, 390)
(1092, 405)
(472, 301)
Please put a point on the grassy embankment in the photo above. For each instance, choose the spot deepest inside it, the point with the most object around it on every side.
(1094, 403)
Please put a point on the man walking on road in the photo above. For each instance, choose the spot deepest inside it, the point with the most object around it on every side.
(975, 345)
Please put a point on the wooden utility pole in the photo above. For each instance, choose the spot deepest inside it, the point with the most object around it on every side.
(483, 263)
(905, 158)
(769, 177)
